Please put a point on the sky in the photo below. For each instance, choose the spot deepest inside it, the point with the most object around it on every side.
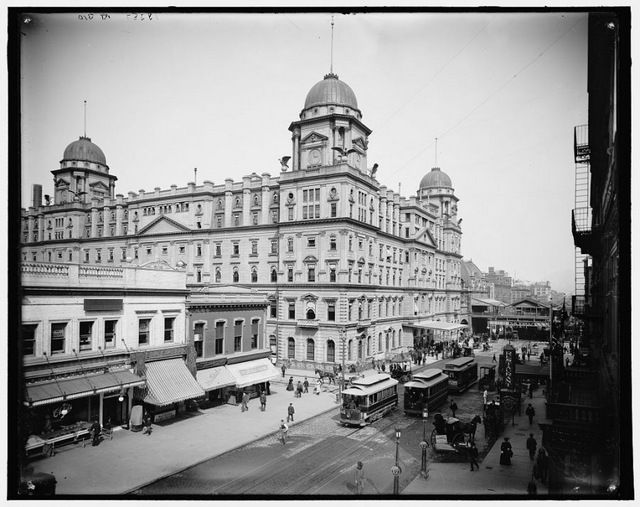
(501, 92)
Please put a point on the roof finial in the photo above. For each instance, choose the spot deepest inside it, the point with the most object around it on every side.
(85, 118)
(436, 150)
(331, 66)
(195, 175)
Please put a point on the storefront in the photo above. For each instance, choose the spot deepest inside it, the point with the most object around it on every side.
(169, 385)
(63, 409)
(252, 377)
(218, 383)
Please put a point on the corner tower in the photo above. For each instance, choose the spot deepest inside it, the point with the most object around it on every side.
(330, 130)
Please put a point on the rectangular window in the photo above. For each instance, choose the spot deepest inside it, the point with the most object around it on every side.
(219, 338)
(98, 256)
(218, 221)
(292, 310)
(218, 250)
(110, 254)
(311, 241)
(254, 218)
(334, 210)
(198, 338)
(332, 274)
(58, 335)
(254, 248)
(254, 333)
(110, 333)
(289, 274)
(273, 309)
(198, 250)
(86, 256)
(86, 332)
(168, 328)
(331, 312)
(274, 246)
(143, 331)
(312, 274)
(289, 244)
(237, 336)
(290, 214)
(29, 339)
(311, 203)
(236, 249)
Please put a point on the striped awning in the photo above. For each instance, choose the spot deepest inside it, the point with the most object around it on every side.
(253, 372)
(170, 381)
(80, 387)
(215, 378)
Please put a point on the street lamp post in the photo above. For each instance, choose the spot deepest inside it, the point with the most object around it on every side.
(395, 469)
(424, 444)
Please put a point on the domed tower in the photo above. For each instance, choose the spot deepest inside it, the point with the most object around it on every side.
(330, 130)
(83, 174)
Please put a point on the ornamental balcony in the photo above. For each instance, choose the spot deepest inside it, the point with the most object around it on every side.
(309, 323)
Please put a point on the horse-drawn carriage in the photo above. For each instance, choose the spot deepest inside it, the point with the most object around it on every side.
(452, 434)
(327, 374)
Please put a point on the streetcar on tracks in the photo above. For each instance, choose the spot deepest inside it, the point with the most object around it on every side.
(368, 398)
(462, 372)
(427, 390)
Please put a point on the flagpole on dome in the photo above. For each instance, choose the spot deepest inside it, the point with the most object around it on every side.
(331, 64)
(85, 118)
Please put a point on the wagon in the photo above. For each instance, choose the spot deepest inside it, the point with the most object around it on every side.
(450, 434)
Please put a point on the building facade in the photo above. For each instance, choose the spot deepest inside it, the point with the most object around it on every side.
(342, 257)
(502, 284)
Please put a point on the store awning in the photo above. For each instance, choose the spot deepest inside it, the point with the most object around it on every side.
(80, 387)
(215, 378)
(170, 381)
(436, 324)
(253, 372)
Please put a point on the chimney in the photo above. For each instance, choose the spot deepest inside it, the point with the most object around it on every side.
(37, 195)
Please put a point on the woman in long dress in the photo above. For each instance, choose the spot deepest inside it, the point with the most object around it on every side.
(506, 452)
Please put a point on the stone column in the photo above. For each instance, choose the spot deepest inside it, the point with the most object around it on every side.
(228, 202)
(246, 200)
(266, 199)
(106, 218)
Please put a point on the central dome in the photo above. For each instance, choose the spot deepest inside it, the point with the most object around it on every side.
(331, 91)
(435, 178)
(83, 149)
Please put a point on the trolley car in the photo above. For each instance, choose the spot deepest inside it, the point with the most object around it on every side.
(368, 399)
(428, 389)
(462, 372)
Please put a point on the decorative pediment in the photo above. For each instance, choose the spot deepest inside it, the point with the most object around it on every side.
(162, 225)
(424, 236)
(98, 184)
(360, 142)
(159, 264)
(314, 137)
(309, 298)
(61, 182)
(310, 259)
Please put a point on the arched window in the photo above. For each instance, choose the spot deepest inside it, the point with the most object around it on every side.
(349, 347)
(218, 275)
(311, 350)
(399, 337)
(254, 275)
(237, 202)
(274, 275)
(360, 349)
(236, 275)
(311, 314)
(387, 342)
(331, 351)
(368, 345)
(291, 348)
(393, 341)
(380, 342)
(255, 200)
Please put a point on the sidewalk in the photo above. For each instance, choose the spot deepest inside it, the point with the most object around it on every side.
(132, 460)
(492, 478)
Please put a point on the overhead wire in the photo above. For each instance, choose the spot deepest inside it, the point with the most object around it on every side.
(496, 91)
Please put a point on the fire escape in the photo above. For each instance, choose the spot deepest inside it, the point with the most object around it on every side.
(581, 219)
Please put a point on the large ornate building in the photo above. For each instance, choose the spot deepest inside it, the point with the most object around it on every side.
(351, 268)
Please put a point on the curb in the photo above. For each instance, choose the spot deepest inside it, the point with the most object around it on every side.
(238, 446)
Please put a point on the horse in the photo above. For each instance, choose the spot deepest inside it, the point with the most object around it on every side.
(469, 428)
(326, 374)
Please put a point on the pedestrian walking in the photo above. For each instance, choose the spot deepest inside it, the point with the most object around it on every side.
(284, 369)
(530, 413)
(306, 385)
(453, 406)
(245, 402)
(146, 421)
(542, 462)
(494, 358)
(290, 412)
(283, 431)
(268, 387)
(531, 390)
(505, 452)
(484, 398)
(473, 456)
(95, 432)
(531, 446)
(263, 401)
(290, 384)
(318, 387)
(299, 389)
(359, 478)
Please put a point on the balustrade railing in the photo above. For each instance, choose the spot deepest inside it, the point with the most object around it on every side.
(101, 272)
(42, 268)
